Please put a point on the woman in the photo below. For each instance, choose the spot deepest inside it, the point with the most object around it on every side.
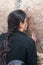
(22, 47)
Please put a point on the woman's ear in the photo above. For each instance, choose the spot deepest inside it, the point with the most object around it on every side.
(21, 24)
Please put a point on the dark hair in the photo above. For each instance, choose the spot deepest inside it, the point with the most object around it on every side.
(14, 19)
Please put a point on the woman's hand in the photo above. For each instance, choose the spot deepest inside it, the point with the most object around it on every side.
(34, 37)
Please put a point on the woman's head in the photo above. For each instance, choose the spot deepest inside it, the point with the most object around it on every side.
(16, 19)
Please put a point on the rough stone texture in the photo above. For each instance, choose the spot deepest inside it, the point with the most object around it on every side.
(35, 7)
(6, 6)
(36, 20)
(34, 10)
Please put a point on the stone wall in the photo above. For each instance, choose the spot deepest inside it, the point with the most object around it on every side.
(6, 6)
(34, 10)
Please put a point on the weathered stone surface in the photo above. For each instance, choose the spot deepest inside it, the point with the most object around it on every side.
(6, 6)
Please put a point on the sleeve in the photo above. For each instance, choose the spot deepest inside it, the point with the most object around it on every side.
(31, 53)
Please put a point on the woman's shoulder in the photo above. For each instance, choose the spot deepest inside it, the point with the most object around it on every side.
(3, 36)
